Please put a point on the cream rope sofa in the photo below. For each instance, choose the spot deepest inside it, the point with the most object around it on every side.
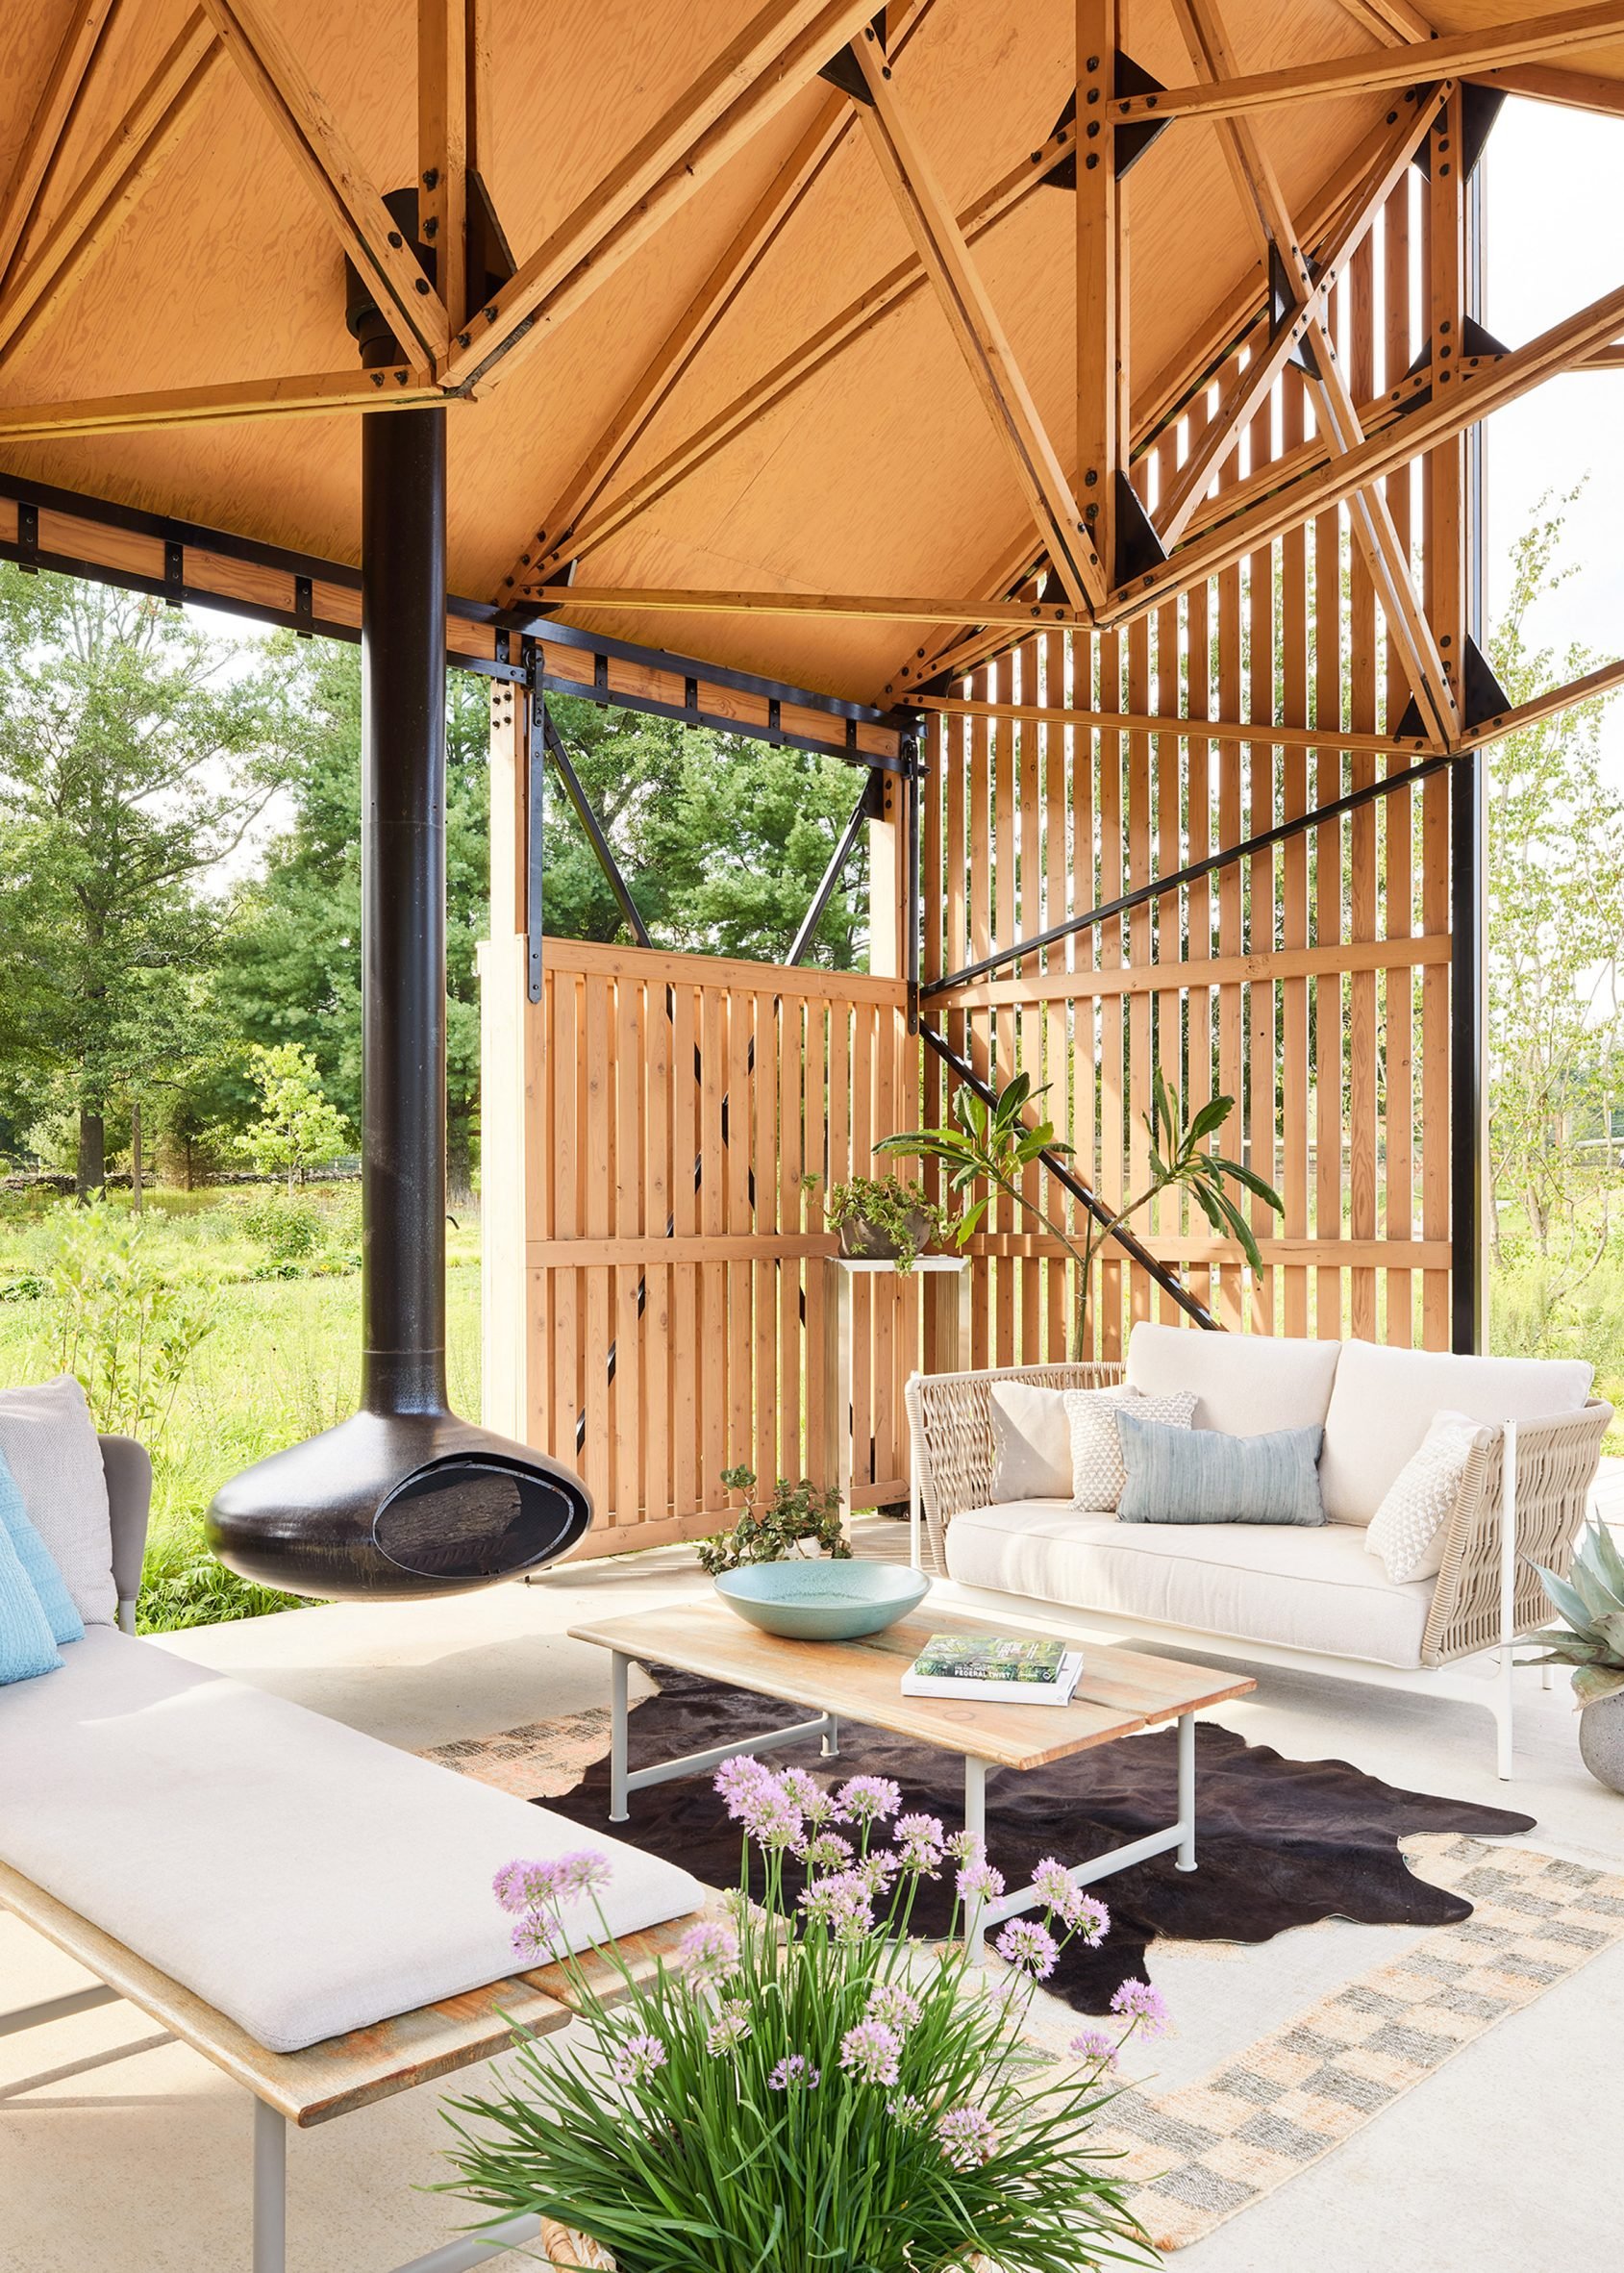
(1305, 1597)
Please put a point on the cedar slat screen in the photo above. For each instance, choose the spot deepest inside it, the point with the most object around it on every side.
(1310, 981)
(640, 1065)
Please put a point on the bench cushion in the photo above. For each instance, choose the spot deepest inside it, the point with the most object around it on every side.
(1248, 1384)
(303, 1878)
(1299, 1587)
(1385, 1399)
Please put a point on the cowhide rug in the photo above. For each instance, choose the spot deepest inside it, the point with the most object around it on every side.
(1279, 1842)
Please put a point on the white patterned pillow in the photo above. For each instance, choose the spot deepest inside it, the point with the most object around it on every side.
(1097, 1470)
(1407, 1529)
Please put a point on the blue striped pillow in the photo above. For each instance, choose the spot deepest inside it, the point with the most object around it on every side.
(27, 1645)
(39, 1568)
(1202, 1476)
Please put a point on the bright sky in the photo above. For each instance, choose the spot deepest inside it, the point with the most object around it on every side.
(1554, 190)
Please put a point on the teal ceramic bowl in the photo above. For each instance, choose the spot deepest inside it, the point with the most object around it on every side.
(822, 1600)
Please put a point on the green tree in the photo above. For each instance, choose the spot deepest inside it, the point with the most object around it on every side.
(296, 1128)
(1556, 939)
(136, 753)
(291, 967)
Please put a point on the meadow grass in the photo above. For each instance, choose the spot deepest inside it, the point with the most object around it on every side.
(281, 1363)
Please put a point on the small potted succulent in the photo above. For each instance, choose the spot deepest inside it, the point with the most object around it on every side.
(1590, 1601)
(881, 1219)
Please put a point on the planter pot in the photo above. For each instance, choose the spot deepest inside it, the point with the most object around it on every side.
(865, 1242)
(1601, 1740)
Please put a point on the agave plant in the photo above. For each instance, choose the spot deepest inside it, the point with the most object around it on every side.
(1590, 1600)
(993, 1143)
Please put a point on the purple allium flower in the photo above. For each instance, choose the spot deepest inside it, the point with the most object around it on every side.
(906, 2110)
(1082, 1913)
(804, 1790)
(1142, 2007)
(840, 1902)
(869, 1799)
(920, 1842)
(729, 2030)
(584, 1871)
(770, 1816)
(827, 1850)
(638, 2058)
(968, 2136)
(877, 1870)
(794, 2070)
(708, 1951)
(967, 1846)
(892, 2003)
(1029, 1946)
(522, 1885)
(871, 2052)
(739, 1776)
(1095, 2046)
(979, 1882)
(537, 1938)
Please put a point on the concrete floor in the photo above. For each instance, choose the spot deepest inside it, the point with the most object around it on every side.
(120, 2153)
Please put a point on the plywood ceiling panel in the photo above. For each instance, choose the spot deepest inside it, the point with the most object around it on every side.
(883, 473)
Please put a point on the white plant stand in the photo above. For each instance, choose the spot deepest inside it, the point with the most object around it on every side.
(936, 1271)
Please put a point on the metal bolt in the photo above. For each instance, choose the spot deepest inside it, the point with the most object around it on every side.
(491, 312)
(1091, 161)
(396, 239)
(462, 338)
(423, 285)
(1090, 478)
(431, 179)
(1093, 128)
(885, 71)
(1095, 95)
(431, 227)
(1093, 63)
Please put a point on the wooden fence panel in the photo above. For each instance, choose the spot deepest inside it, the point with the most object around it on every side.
(678, 1282)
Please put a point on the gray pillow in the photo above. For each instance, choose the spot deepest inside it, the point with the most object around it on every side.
(1200, 1476)
(50, 1444)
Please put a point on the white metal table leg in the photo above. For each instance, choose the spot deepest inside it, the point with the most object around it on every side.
(618, 1664)
(270, 2190)
(1185, 1860)
(975, 1825)
(831, 1745)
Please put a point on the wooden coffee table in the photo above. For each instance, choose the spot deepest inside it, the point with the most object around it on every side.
(1121, 1691)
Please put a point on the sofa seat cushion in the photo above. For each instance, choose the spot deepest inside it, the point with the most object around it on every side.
(1386, 1400)
(301, 1877)
(1247, 1385)
(1305, 1588)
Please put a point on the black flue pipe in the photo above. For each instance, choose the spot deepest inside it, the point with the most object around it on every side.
(402, 910)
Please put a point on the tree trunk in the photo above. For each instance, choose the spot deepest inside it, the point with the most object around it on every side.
(90, 1169)
(136, 1155)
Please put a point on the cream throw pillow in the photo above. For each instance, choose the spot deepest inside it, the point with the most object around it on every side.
(1030, 1442)
(1097, 1469)
(50, 1445)
(1407, 1529)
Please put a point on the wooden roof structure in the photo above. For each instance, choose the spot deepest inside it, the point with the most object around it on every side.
(794, 372)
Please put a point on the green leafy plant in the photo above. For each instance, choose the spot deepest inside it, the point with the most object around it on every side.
(995, 1145)
(796, 1517)
(288, 1230)
(889, 1219)
(126, 1327)
(807, 2089)
(297, 1129)
(1590, 1601)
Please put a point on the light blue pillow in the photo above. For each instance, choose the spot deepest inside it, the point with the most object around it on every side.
(26, 1646)
(1202, 1476)
(40, 1571)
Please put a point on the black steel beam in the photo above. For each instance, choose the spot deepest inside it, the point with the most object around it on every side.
(1070, 1181)
(861, 811)
(582, 807)
(691, 714)
(1281, 834)
(545, 627)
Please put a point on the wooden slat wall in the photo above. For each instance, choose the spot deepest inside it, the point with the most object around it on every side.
(1309, 983)
(711, 1292)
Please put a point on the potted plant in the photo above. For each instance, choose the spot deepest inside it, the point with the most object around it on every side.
(1591, 1602)
(798, 1519)
(881, 1219)
(995, 1145)
(807, 2086)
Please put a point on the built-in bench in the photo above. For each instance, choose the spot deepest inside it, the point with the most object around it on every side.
(308, 1908)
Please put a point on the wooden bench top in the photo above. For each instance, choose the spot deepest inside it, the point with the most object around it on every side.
(345, 2072)
(1121, 1691)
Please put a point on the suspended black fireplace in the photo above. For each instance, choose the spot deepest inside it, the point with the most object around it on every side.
(404, 1498)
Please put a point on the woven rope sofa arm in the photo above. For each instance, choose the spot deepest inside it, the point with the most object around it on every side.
(1557, 1461)
(950, 1432)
